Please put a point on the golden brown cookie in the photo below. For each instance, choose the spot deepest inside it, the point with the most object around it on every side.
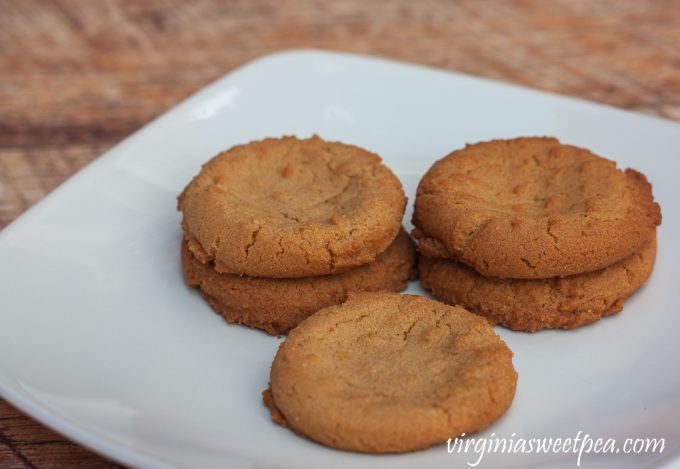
(278, 305)
(536, 304)
(388, 373)
(532, 208)
(289, 208)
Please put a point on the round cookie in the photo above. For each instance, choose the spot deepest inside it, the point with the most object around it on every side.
(290, 208)
(532, 208)
(388, 373)
(533, 305)
(278, 305)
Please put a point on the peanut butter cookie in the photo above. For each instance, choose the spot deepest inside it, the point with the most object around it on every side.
(533, 305)
(532, 208)
(289, 208)
(278, 305)
(385, 372)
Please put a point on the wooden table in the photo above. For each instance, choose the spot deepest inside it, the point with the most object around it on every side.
(77, 76)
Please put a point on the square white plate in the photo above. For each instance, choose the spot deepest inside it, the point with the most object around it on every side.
(101, 340)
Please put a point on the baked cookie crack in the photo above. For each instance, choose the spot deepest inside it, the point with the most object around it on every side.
(253, 238)
(409, 329)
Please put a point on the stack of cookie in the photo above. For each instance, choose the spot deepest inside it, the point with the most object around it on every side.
(534, 234)
(276, 229)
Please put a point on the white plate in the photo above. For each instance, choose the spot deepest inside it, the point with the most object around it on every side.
(101, 340)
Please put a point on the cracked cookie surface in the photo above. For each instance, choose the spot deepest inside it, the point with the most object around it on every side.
(385, 372)
(532, 208)
(535, 304)
(288, 208)
(278, 305)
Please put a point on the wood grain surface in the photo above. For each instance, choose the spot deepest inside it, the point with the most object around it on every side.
(77, 76)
